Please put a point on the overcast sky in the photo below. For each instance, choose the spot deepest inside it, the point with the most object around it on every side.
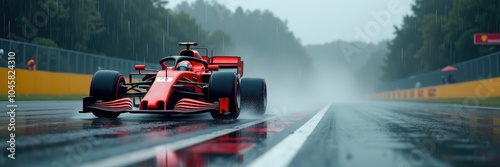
(321, 21)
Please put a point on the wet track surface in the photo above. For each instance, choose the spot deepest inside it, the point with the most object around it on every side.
(370, 134)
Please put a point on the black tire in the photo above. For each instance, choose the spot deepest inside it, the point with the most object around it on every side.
(222, 85)
(105, 86)
(254, 95)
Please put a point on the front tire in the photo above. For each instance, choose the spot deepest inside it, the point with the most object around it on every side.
(225, 85)
(105, 86)
(254, 95)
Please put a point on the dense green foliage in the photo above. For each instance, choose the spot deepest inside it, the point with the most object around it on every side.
(131, 29)
(146, 30)
(440, 33)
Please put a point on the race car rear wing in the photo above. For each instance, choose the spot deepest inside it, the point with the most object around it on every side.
(226, 62)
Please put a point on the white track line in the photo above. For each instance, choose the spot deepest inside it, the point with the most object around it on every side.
(283, 153)
(147, 153)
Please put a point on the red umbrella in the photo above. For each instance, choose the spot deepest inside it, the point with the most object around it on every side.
(449, 68)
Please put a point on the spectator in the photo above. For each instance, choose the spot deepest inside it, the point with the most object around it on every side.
(1, 53)
(417, 85)
(450, 79)
(443, 80)
(31, 65)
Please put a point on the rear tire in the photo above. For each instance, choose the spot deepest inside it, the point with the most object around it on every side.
(254, 95)
(225, 85)
(105, 86)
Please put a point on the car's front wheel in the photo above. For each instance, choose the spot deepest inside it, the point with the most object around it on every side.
(105, 86)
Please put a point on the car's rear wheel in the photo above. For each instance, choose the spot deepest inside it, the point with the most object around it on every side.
(105, 86)
(254, 95)
(225, 85)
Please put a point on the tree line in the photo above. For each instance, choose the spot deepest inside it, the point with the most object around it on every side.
(147, 30)
(129, 29)
(440, 33)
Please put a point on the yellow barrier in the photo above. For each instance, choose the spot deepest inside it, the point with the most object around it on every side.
(474, 89)
(46, 83)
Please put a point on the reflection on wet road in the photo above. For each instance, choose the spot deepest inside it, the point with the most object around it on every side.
(369, 134)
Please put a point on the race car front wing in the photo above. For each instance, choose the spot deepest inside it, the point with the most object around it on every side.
(124, 105)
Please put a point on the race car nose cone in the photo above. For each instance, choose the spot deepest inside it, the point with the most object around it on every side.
(155, 104)
(152, 104)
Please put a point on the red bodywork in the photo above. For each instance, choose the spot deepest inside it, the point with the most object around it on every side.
(160, 90)
(173, 91)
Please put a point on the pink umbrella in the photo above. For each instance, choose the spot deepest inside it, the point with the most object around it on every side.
(449, 68)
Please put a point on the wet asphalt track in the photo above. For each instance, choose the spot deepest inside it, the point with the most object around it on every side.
(372, 134)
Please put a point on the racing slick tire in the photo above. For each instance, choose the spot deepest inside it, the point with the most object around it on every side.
(225, 85)
(254, 95)
(105, 86)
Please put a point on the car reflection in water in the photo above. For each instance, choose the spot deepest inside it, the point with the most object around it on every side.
(234, 149)
(149, 130)
(227, 148)
(119, 129)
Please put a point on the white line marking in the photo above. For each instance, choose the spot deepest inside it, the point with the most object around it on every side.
(283, 153)
(144, 154)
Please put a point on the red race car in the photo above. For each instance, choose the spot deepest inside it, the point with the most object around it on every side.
(187, 83)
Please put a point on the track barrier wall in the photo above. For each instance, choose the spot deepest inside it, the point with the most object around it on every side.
(479, 89)
(46, 83)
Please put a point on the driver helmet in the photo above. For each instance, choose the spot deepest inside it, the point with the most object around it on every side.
(184, 66)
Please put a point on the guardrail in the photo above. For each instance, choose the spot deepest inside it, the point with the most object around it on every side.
(476, 69)
(63, 60)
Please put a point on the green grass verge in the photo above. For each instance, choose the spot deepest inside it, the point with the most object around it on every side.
(43, 97)
(481, 102)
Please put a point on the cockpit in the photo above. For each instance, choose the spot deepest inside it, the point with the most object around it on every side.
(195, 62)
